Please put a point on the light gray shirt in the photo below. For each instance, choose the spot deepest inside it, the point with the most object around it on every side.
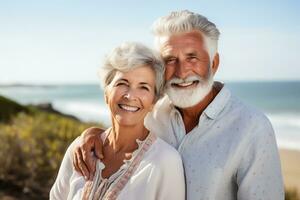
(231, 154)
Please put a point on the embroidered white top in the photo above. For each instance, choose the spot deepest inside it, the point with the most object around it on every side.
(158, 175)
(231, 154)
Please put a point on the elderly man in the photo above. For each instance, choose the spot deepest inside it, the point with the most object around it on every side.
(228, 148)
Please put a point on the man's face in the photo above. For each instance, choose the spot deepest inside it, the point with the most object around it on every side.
(188, 75)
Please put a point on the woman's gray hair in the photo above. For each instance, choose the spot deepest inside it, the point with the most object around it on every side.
(128, 56)
(187, 21)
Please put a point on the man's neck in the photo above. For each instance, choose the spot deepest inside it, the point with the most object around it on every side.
(191, 115)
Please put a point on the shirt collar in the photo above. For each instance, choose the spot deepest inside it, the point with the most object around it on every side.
(218, 104)
(213, 109)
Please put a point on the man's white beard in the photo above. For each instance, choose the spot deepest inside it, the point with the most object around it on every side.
(188, 97)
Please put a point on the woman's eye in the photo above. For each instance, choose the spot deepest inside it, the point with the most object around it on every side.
(145, 88)
(120, 84)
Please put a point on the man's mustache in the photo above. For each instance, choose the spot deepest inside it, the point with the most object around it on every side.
(186, 80)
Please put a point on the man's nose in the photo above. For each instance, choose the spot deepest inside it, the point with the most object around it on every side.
(183, 69)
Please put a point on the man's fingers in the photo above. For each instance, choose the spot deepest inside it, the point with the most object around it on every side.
(89, 160)
(91, 140)
(75, 163)
(84, 159)
(99, 148)
(83, 168)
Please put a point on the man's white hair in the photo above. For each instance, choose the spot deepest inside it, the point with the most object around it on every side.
(187, 21)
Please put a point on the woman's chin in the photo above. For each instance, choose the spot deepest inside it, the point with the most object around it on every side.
(127, 121)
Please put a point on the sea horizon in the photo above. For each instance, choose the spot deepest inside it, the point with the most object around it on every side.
(48, 83)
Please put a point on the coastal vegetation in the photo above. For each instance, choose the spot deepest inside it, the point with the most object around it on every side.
(32, 144)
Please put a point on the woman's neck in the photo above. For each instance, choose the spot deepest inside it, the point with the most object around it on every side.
(123, 138)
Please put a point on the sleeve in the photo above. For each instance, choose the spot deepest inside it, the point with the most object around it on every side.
(259, 173)
(172, 183)
(61, 186)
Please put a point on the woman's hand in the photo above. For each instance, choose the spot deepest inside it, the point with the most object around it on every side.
(88, 151)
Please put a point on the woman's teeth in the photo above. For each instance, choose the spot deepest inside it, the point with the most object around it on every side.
(129, 108)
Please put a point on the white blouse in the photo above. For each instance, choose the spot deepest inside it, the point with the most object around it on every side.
(154, 172)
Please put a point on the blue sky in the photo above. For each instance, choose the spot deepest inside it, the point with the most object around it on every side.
(65, 41)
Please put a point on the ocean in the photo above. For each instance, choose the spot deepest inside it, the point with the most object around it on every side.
(280, 101)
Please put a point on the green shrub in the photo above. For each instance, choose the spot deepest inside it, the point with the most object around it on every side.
(32, 145)
(9, 108)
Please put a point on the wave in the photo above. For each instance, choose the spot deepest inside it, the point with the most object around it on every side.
(286, 125)
(287, 129)
(88, 111)
(286, 119)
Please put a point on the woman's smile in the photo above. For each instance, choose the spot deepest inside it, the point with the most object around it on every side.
(128, 108)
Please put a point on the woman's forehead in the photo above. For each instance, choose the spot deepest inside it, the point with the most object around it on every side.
(143, 74)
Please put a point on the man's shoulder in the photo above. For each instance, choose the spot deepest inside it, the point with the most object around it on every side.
(247, 113)
(159, 120)
(163, 106)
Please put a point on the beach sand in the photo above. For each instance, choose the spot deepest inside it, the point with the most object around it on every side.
(290, 163)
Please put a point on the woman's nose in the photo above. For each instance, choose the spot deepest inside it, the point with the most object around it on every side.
(130, 95)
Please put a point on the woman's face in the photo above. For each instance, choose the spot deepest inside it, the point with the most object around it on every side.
(131, 95)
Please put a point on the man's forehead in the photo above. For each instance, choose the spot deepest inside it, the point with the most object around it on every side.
(181, 40)
(181, 48)
(171, 52)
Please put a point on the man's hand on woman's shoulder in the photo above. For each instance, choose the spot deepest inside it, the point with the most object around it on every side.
(88, 151)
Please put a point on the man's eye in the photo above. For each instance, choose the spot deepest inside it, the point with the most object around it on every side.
(170, 61)
(192, 58)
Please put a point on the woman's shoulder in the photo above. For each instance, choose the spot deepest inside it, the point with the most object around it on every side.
(163, 152)
(165, 146)
(75, 143)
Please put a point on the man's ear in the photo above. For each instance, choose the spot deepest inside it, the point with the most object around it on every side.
(215, 63)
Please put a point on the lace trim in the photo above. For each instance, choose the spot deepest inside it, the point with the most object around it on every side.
(109, 188)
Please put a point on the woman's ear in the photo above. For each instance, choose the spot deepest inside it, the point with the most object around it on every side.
(105, 96)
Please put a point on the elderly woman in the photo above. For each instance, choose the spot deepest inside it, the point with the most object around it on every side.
(136, 164)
